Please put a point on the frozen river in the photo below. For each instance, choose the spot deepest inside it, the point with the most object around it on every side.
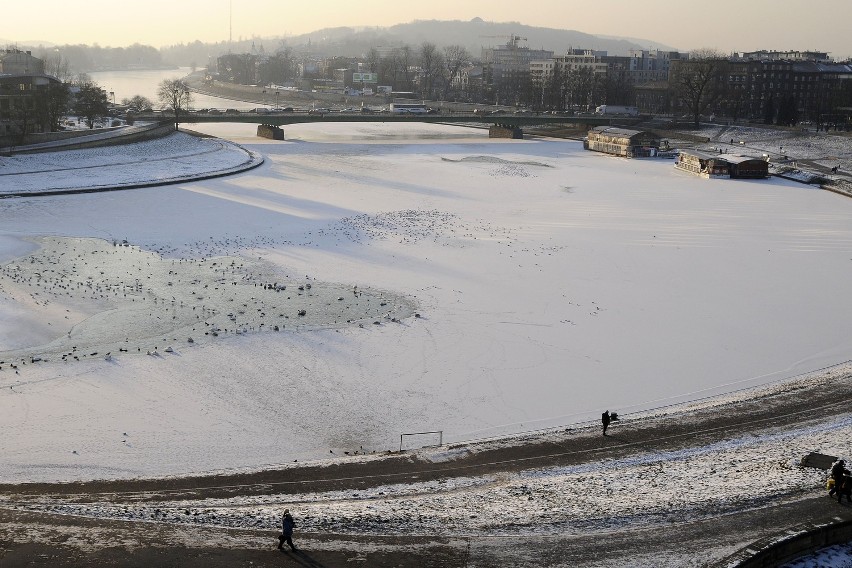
(550, 284)
(127, 84)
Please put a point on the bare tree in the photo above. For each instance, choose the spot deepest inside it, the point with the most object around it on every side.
(698, 81)
(619, 88)
(384, 67)
(51, 104)
(58, 66)
(278, 68)
(174, 95)
(554, 89)
(374, 60)
(138, 102)
(583, 87)
(403, 62)
(81, 79)
(456, 58)
(431, 63)
(22, 115)
(238, 68)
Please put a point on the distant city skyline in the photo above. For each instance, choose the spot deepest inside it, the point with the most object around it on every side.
(726, 25)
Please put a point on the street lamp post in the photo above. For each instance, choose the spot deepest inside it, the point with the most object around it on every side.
(277, 97)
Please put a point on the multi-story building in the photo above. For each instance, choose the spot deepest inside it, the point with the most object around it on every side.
(654, 97)
(16, 62)
(649, 66)
(643, 66)
(614, 78)
(573, 60)
(23, 86)
(512, 57)
(810, 90)
(507, 67)
(468, 81)
(768, 55)
(765, 86)
(541, 71)
(577, 59)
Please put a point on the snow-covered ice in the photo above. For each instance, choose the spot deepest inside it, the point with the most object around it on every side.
(551, 283)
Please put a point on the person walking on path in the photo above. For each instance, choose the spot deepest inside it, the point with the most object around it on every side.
(605, 420)
(838, 473)
(287, 525)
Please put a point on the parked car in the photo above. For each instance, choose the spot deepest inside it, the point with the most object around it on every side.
(214, 111)
(232, 111)
(319, 111)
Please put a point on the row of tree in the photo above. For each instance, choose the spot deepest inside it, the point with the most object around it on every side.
(60, 60)
(438, 69)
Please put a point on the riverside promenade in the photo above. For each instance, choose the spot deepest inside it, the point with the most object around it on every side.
(34, 526)
(143, 155)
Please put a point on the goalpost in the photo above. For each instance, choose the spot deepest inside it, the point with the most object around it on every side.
(415, 440)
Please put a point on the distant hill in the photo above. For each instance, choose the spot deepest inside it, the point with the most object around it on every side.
(24, 45)
(355, 42)
(474, 35)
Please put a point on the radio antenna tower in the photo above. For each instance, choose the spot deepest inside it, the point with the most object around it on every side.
(230, 22)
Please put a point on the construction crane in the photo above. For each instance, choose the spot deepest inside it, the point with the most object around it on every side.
(513, 39)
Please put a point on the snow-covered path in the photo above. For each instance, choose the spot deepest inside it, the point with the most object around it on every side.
(178, 156)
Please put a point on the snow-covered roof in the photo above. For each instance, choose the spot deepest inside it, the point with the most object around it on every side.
(623, 132)
(730, 158)
(734, 159)
(703, 155)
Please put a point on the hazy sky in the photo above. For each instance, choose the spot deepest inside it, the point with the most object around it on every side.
(727, 25)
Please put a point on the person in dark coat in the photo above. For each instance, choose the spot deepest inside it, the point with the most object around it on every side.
(839, 474)
(605, 420)
(845, 488)
(287, 525)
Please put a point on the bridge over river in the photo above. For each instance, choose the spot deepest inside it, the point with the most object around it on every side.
(500, 122)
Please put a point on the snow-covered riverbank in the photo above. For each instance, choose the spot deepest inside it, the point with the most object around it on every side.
(173, 158)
